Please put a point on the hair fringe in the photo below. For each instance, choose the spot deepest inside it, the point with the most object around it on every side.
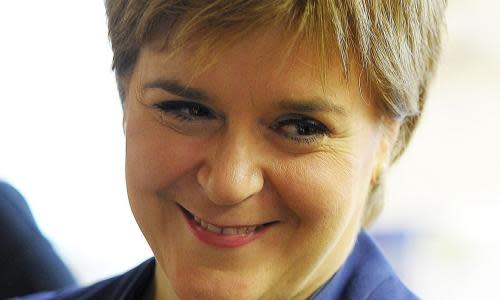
(396, 42)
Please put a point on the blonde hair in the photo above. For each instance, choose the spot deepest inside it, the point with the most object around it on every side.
(396, 41)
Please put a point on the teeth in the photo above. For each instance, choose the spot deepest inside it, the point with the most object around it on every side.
(203, 224)
(225, 230)
(230, 231)
(214, 229)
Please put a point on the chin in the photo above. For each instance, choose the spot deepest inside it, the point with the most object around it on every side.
(215, 285)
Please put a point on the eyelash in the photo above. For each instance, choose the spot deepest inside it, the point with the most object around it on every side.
(314, 129)
(196, 111)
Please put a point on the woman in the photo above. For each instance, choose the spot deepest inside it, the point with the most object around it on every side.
(257, 136)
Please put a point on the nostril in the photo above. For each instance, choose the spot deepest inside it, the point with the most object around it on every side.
(230, 173)
(203, 176)
(229, 187)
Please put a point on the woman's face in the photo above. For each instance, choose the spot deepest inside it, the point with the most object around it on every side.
(248, 179)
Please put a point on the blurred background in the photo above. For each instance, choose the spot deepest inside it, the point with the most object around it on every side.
(62, 146)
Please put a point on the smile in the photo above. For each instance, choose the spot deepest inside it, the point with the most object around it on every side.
(224, 236)
(226, 230)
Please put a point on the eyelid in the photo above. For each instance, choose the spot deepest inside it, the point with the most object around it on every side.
(177, 102)
(298, 139)
(301, 117)
(182, 104)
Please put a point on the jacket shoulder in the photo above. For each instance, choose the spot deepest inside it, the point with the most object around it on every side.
(393, 288)
(129, 285)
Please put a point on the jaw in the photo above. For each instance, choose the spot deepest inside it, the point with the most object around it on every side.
(285, 275)
(311, 271)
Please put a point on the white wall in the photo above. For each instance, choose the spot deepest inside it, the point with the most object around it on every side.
(61, 139)
(62, 145)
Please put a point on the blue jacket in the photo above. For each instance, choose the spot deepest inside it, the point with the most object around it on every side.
(366, 274)
(28, 263)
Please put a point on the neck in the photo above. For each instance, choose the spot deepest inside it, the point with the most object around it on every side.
(160, 288)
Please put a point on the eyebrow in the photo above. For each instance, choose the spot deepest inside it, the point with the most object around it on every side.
(176, 88)
(311, 105)
(288, 104)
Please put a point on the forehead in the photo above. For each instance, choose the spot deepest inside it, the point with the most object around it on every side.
(271, 50)
(265, 64)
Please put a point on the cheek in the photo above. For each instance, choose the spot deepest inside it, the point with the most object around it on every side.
(316, 187)
(323, 189)
(156, 156)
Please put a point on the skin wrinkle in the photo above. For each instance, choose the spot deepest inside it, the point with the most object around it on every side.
(248, 54)
(353, 26)
(300, 294)
(316, 190)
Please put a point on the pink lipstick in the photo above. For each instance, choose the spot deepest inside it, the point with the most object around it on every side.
(224, 236)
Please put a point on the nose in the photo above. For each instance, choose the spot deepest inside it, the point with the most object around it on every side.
(231, 172)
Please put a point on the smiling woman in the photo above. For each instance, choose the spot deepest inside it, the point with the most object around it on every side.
(292, 174)
(257, 133)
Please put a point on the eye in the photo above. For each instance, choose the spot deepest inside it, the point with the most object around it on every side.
(185, 110)
(301, 128)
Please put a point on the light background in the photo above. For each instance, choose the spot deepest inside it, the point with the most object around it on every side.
(62, 145)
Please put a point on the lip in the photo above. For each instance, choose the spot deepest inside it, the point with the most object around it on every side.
(223, 241)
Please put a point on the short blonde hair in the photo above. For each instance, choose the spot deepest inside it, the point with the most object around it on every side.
(396, 41)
